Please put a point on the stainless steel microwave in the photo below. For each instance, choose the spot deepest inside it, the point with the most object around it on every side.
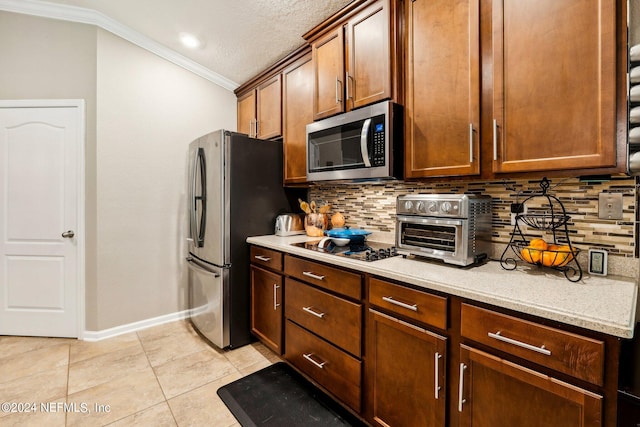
(363, 144)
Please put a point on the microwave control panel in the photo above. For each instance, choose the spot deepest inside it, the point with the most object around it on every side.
(378, 153)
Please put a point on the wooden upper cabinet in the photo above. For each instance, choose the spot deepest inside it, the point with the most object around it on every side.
(368, 67)
(328, 65)
(442, 104)
(247, 113)
(260, 109)
(355, 63)
(269, 108)
(554, 84)
(297, 106)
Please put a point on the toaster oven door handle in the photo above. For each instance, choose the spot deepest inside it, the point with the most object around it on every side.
(364, 136)
(415, 219)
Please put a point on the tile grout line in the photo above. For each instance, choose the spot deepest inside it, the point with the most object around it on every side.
(153, 369)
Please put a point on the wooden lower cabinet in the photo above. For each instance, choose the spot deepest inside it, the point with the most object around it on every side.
(406, 373)
(398, 355)
(266, 307)
(494, 392)
(329, 366)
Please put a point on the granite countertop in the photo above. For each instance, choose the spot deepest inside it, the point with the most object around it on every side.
(602, 304)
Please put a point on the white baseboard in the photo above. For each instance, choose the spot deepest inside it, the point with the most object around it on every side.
(133, 327)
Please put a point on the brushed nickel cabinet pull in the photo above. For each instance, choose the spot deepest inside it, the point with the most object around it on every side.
(310, 359)
(412, 307)
(310, 310)
(495, 139)
(262, 258)
(461, 401)
(275, 297)
(312, 275)
(338, 86)
(470, 142)
(499, 337)
(437, 358)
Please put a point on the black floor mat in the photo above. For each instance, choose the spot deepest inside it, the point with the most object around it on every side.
(279, 396)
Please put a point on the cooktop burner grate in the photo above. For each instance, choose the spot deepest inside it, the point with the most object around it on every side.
(367, 251)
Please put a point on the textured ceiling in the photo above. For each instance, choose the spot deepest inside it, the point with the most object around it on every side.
(241, 37)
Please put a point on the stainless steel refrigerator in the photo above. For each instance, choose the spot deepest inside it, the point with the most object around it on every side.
(235, 191)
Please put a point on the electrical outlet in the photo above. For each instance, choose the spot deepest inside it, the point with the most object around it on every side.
(517, 209)
(610, 206)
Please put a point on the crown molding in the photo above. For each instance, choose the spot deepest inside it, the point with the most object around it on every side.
(93, 17)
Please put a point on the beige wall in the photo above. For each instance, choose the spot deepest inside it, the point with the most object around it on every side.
(142, 112)
(148, 112)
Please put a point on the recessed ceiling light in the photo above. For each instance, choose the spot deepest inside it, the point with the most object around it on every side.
(190, 41)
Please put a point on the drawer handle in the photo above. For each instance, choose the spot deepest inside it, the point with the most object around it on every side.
(461, 400)
(310, 359)
(499, 337)
(412, 307)
(311, 311)
(437, 358)
(312, 275)
(262, 258)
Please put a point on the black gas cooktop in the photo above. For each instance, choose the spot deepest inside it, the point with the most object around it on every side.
(366, 251)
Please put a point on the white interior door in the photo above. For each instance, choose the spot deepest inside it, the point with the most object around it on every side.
(39, 192)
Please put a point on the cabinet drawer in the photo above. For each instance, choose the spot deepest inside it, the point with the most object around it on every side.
(330, 367)
(335, 319)
(266, 257)
(407, 302)
(562, 351)
(334, 279)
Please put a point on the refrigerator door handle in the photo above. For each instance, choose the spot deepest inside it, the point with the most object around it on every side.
(196, 266)
(198, 227)
(192, 199)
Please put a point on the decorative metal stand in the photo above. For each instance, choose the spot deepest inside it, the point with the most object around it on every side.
(552, 219)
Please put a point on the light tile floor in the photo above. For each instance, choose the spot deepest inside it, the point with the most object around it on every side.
(161, 376)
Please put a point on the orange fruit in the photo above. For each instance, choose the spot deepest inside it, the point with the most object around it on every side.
(538, 244)
(567, 256)
(530, 255)
(553, 258)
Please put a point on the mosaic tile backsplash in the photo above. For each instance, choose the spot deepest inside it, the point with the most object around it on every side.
(373, 206)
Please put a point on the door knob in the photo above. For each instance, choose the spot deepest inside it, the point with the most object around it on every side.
(68, 234)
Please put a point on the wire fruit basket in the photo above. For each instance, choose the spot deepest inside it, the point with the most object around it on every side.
(552, 219)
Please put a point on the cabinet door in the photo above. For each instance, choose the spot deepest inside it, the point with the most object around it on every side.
(554, 84)
(297, 105)
(442, 110)
(247, 113)
(269, 108)
(406, 368)
(497, 393)
(266, 307)
(368, 77)
(328, 66)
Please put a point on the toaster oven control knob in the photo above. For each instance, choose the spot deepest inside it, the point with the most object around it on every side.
(420, 207)
(446, 207)
(433, 207)
(408, 205)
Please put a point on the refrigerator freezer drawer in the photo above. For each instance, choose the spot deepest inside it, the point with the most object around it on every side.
(208, 301)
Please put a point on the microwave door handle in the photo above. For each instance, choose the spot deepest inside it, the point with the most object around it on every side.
(364, 136)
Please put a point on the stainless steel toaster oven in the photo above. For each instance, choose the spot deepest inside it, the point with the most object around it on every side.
(455, 228)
